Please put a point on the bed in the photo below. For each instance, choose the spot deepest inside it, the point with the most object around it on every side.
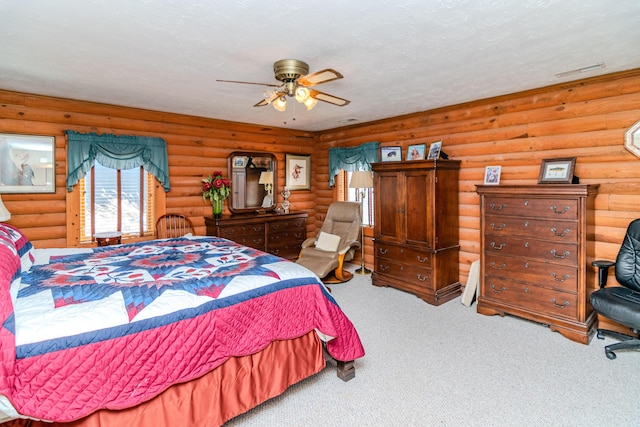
(185, 331)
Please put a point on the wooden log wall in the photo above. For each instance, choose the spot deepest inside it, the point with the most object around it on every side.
(196, 147)
(586, 119)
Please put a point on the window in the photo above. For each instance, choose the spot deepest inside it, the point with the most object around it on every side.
(354, 195)
(116, 200)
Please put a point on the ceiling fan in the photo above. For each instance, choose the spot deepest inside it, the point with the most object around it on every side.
(296, 83)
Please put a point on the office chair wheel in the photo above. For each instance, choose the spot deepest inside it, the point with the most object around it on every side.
(610, 354)
(600, 335)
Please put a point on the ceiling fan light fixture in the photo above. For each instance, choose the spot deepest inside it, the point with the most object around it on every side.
(280, 104)
(310, 103)
(302, 94)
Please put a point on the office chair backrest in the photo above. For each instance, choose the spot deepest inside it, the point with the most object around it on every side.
(628, 260)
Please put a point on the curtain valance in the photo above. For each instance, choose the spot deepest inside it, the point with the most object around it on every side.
(115, 152)
(352, 159)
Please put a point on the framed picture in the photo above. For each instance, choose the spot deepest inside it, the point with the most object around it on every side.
(390, 154)
(415, 152)
(298, 172)
(239, 161)
(492, 175)
(434, 150)
(557, 171)
(27, 164)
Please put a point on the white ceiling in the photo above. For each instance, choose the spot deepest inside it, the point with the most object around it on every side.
(397, 56)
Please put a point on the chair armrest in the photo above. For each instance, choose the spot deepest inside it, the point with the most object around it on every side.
(308, 242)
(603, 271)
(348, 245)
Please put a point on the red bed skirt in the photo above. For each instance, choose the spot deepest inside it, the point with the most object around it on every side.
(233, 388)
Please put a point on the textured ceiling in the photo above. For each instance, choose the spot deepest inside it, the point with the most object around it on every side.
(397, 56)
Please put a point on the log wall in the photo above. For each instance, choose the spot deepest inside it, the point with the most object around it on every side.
(586, 119)
(196, 147)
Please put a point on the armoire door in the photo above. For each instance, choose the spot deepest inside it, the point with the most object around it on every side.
(389, 206)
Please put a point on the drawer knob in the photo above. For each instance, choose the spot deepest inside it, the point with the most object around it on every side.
(560, 212)
(422, 278)
(497, 291)
(493, 226)
(560, 234)
(560, 279)
(493, 265)
(497, 208)
(423, 260)
(566, 303)
(496, 247)
(383, 251)
(382, 267)
(557, 255)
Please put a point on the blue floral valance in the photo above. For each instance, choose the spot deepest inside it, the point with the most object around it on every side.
(352, 159)
(115, 152)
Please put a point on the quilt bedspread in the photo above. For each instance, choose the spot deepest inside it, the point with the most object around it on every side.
(117, 326)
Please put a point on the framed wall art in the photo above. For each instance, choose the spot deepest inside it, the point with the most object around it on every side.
(27, 163)
(390, 154)
(492, 175)
(297, 172)
(434, 150)
(557, 171)
(415, 152)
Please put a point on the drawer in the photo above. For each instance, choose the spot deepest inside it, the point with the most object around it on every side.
(562, 231)
(562, 253)
(287, 236)
(289, 251)
(530, 297)
(415, 276)
(551, 275)
(404, 255)
(287, 224)
(256, 241)
(563, 209)
(232, 232)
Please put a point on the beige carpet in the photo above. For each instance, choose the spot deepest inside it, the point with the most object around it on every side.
(449, 366)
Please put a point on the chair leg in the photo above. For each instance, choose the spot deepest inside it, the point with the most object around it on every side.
(614, 334)
(632, 344)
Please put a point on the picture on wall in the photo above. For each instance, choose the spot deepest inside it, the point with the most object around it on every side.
(298, 172)
(27, 164)
(415, 152)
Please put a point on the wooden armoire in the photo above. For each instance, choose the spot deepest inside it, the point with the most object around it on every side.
(416, 246)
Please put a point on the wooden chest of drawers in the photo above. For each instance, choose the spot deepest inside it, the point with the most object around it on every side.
(278, 234)
(534, 254)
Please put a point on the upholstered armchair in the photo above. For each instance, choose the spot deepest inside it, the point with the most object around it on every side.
(326, 253)
(621, 303)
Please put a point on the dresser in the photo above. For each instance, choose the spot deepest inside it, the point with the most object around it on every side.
(416, 246)
(277, 234)
(534, 255)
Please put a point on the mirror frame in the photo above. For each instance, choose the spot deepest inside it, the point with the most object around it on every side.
(274, 168)
(632, 139)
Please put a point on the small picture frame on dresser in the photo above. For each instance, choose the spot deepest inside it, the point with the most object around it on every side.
(557, 171)
(434, 150)
(492, 175)
(390, 154)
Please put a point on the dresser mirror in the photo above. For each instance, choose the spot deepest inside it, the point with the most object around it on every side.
(254, 181)
(632, 139)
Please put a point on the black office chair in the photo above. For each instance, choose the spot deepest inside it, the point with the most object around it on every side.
(621, 303)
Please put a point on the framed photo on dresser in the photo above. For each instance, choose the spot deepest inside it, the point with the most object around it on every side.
(557, 171)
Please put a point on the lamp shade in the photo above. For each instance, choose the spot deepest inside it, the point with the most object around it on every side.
(5, 215)
(361, 179)
(266, 177)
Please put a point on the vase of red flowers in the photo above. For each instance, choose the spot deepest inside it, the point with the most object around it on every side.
(216, 189)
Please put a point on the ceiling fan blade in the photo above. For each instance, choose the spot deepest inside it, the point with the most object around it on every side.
(249, 83)
(319, 77)
(269, 99)
(325, 97)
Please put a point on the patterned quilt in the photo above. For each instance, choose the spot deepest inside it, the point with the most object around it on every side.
(117, 326)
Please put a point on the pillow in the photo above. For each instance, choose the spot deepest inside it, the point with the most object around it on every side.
(328, 242)
(22, 245)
